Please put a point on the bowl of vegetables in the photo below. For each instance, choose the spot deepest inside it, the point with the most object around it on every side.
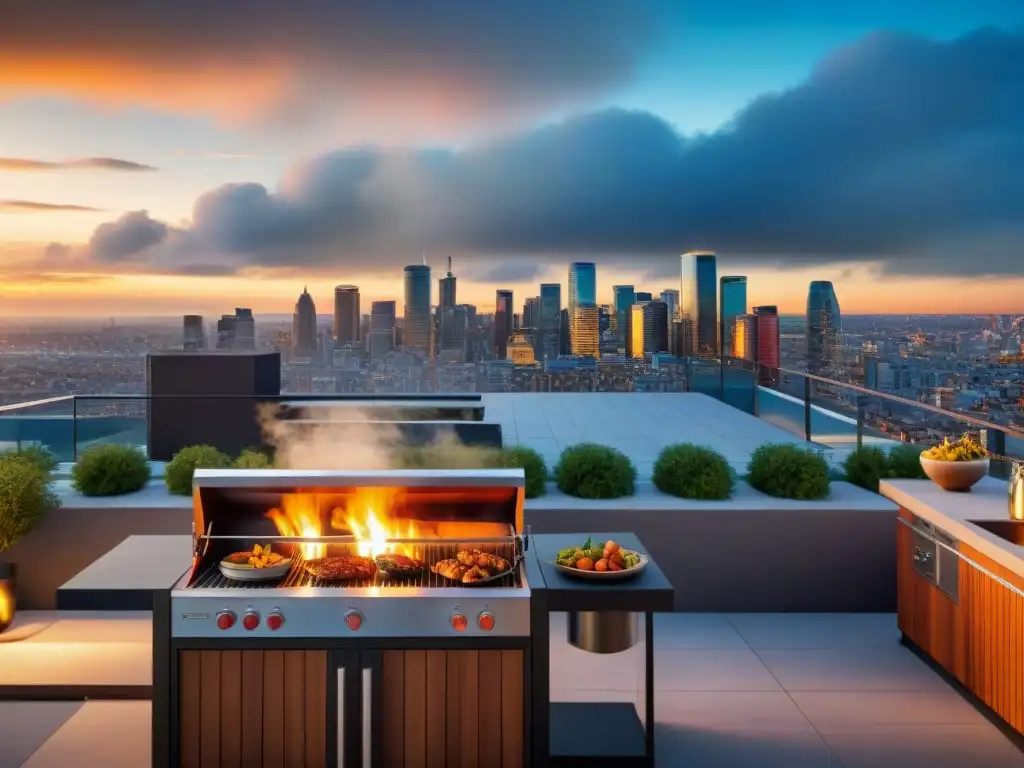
(955, 466)
(600, 561)
(257, 564)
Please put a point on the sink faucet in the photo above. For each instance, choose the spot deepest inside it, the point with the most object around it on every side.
(1016, 490)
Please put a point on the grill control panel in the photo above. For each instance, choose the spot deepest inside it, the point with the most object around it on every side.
(469, 613)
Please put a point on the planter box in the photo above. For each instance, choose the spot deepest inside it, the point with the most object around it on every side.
(751, 553)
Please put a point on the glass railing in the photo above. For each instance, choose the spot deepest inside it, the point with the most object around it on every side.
(49, 422)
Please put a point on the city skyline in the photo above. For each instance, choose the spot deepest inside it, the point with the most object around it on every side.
(740, 132)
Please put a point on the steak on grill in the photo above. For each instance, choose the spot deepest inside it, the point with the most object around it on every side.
(400, 566)
(341, 568)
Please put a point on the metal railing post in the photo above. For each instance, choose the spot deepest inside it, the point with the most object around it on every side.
(757, 387)
(74, 428)
(807, 409)
(860, 421)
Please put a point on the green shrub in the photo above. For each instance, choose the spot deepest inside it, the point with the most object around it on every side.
(253, 458)
(866, 466)
(38, 455)
(533, 465)
(693, 472)
(179, 471)
(25, 496)
(788, 471)
(591, 471)
(110, 470)
(905, 462)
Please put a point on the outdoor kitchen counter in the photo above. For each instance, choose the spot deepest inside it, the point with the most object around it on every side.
(953, 513)
(591, 733)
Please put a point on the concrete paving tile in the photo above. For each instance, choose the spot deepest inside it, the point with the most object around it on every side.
(765, 631)
(696, 631)
(680, 746)
(26, 725)
(881, 668)
(115, 733)
(859, 712)
(941, 747)
(711, 670)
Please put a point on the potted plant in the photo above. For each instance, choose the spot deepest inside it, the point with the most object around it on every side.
(590, 471)
(110, 470)
(788, 471)
(533, 466)
(25, 496)
(955, 466)
(253, 458)
(693, 472)
(183, 464)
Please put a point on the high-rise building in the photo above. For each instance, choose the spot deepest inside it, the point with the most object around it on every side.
(583, 310)
(550, 318)
(346, 315)
(647, 329)
(564, 342)
(451, 325)
(446, 288)
(304, 328)
(193, 333)
(531, 313)
(520, 349)
(767, 344)
(698, 303)
(733, 303)
(585, 341)
(504, 323)
(418, 323)
(382, 330)
(644, 296)
(226, 332)
(671, 299)
(623, 299)
(237, 332)
(824, 331)
(743, 341)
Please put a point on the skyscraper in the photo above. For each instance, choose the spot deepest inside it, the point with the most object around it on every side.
(647, 329)
(504, 323)
(346, 315)
(623, 299)
(304, 328)
(733, 303)
(550, 317)
(382, 329)
(671, 299)
(446, 288)
(531, 313)
(245, 329)
(743, 343)
(451, 325)
(824, 331)
(418, 325)
(583, 312)
(193, 333)
(644, 296)
(767, 344)
(698, 303)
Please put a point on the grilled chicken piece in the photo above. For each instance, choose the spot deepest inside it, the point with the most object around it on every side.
(450, 569)
(488, 562)
(475, 574)
(400, 566)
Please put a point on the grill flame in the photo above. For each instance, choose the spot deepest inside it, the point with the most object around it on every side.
(300, 516)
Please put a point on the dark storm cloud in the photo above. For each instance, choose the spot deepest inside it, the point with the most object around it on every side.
(31, 206)
(85, 163)
(290, 60)
(126, 238)
(896, 149)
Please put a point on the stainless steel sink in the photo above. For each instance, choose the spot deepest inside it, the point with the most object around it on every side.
(1009, 530)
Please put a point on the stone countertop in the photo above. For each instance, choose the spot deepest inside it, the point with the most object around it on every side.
(953, 513)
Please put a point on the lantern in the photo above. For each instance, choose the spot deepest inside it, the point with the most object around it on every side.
(7, 598)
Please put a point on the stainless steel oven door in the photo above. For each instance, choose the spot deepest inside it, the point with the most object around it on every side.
(925, 555)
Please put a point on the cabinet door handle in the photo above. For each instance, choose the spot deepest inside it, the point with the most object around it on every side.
(367, 717)
(341, 717)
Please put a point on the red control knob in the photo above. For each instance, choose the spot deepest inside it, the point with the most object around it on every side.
(250, 621)
(459, 622)
(485, 621)
(353, 620)
(275, 621)
(225, 620)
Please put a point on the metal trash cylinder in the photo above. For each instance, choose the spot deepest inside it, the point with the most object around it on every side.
(603, 631)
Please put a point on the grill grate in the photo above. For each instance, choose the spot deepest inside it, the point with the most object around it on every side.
(212, 578)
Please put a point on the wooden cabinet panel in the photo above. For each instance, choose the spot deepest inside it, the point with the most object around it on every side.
(904, 574)
(453, 709)
(242, 708)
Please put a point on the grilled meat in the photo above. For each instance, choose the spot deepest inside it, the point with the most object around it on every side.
(400, 566)
(344, 568)
(488, 562)
(476, 573)
(450, 569)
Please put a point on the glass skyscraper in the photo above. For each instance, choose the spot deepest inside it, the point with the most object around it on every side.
(584, 334)
(550, 317)
(698, 304)
(824, 331)
(582, 283)
(733, 303)
(670, 297)
(623, 299)
(504, 317)
(418, 328)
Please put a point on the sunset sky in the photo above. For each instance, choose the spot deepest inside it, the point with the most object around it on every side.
(195, 156)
